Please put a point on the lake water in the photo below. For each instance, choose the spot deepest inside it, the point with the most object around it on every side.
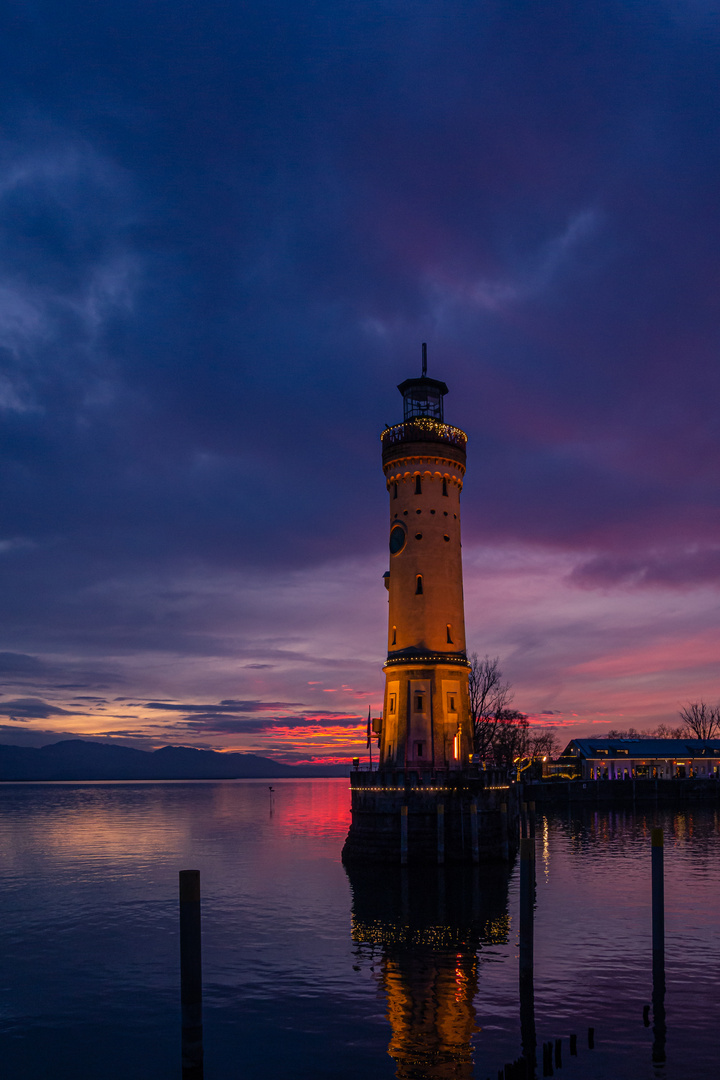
(310, 974)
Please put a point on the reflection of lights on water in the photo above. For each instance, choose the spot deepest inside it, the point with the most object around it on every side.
(462, 978)
(378, 932)
(546, 847)
(423, 787)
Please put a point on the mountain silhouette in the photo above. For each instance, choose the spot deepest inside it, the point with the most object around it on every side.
(76, 759)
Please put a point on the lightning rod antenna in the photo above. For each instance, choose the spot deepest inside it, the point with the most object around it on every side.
(424, 359)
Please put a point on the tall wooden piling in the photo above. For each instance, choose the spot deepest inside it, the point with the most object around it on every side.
(528, 1036)
(441, 834)
(504, 831)
(403, 835)
(658, 899)
(474, 837)
(191, 975)
(527, 874)
(658, 947)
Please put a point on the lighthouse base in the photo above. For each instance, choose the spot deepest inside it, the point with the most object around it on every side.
(415, 817)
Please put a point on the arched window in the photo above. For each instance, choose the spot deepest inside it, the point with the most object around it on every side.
(449, 634)
(418, 486)
(418, 585)
(394, 636)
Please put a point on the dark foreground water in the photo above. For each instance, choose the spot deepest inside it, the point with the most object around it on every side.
(311, 974)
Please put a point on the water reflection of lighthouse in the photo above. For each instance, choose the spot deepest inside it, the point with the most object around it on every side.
(429, 928)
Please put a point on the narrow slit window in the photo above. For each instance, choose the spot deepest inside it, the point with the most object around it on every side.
(419, 703)
(445, 491)
(419, 747)
(451, 703)
(394, 491)
(449, 634)
(392, 703)
(418, 486)
(418, 585)
(394, 636)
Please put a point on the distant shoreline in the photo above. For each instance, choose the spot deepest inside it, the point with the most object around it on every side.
(187, 780)
(81, 761)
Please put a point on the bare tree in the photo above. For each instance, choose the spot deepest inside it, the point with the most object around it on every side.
(542, 742)
(511, 739)
(700, 721)
(664, 731)
(488, 697)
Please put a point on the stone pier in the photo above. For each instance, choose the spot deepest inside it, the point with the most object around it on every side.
(451, 816)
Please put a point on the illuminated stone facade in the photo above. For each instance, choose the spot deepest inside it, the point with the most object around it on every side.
(426, 717)
(426, 801)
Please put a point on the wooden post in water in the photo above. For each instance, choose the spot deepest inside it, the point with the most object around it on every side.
(504, 831)
(403, 835)
(658, 899)
(527, 874)
(531, 819)
(191, 975)
(474, 833)
(528, 1035)
(441, 833)
(658, 947)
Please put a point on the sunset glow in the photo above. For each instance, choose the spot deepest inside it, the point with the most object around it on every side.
(214, 275)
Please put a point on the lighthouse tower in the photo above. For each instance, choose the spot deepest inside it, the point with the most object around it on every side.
(426, 800)
(426, 716)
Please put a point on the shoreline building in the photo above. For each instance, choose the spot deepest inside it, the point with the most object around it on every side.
(649, 758)
(427, 800)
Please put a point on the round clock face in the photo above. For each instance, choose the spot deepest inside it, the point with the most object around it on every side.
(397, 539)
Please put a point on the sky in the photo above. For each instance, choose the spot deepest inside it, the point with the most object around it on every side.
(225, 230)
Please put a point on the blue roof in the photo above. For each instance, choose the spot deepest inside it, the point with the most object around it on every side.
(643, 748)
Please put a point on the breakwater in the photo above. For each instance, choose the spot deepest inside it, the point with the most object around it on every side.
(690, 789)
(411, 816)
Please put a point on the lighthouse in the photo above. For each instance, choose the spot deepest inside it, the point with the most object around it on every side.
(427, 799)
(426, 715)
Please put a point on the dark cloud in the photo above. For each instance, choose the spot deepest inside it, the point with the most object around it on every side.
(22, 669)
(30, 709)
(223, 725)
(20, 664)
(674, 569)
(224, 706)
